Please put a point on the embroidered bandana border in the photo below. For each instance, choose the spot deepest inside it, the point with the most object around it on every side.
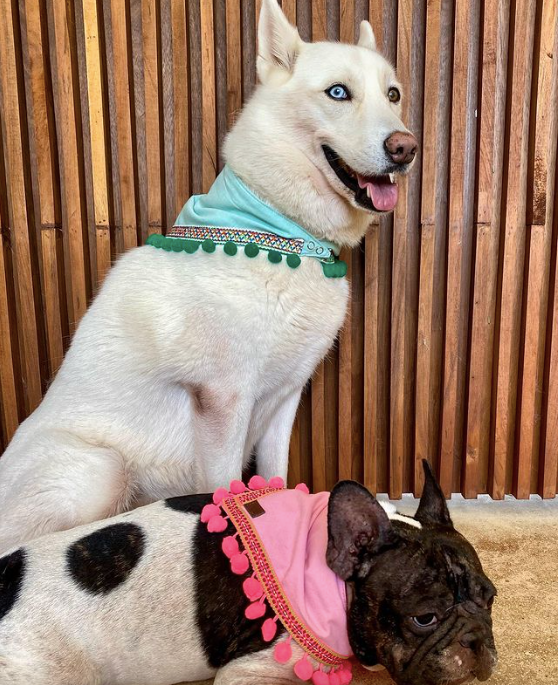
(239, 236)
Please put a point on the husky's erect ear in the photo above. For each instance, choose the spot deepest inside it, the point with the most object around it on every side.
(432, 508)
(358, 528)
(278, 43)
(366, 38)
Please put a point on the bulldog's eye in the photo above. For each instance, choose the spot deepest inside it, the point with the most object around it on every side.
(394, 95)
(338, 92)
(425, 621)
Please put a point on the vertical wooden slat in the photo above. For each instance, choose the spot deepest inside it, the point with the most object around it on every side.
(209, 141)
(41, 118)
(181, 109)
(167, 87)
(73, 214)
(234, 61)
(18, 216)
(513, 254)
(97, 132)
(539, 251)
(490, 178)
(150, 29)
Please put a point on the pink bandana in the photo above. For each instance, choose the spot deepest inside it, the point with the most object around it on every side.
(282, 537)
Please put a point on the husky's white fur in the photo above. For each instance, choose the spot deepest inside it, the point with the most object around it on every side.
(184, 364)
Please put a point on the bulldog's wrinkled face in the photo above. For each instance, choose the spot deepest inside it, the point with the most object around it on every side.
(420, 604)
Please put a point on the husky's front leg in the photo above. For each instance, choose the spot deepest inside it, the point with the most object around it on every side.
(272, 449)
(221, 422)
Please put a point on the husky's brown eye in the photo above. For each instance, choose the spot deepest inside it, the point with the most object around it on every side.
(425, 621)
(394, 95)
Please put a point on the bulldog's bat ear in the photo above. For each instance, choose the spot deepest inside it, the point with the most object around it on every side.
(357, 528)
(432, 508)
(278, 44)
(366, 38)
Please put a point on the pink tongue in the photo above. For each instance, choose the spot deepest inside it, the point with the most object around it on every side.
(382, 192)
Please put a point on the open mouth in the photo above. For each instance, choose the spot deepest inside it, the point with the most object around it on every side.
(377, 193)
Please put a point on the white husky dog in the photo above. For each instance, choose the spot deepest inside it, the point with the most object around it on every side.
(187, 363)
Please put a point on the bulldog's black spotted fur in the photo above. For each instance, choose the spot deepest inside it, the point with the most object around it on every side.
(103, 560)
(12, 571)
(225, 632)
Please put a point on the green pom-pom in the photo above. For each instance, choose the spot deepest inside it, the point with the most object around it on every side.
(190, 246)
(156, 240)
(177, 246)
(251, 250)
(336, 269)
(342, 268)
(208, 245)
(274, 256)
(230, 248)
(293, 260)
(167, 244)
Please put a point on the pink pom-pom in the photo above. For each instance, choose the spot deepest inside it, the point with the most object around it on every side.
(252, 589)
(217, 524)
(269, 630)
(239, 564)
(303, 488)
(283, 652)
(209, 511)
(320, 678)
(257, 483)
(334, 678)
(236, 487)
(255, 610)
(219, 495)
(230, 546)
(277, 482)
(345, 677)
(303, 669)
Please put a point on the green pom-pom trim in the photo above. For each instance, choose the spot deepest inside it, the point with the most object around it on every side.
(230, 248)
(156, 240)
(274, 256)
(337, 269)
(176, 246)
(190, 246)
(251, 250)
(208, 245)
(167, 244)
(293, 260)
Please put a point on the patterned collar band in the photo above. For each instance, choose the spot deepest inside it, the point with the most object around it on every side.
(231, 215)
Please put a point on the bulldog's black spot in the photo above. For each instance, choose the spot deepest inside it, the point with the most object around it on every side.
(12, 570)
(188, 504)
(103, 560)
(220, 603)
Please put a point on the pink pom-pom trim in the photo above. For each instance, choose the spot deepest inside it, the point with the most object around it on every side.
(217, 524)
(283, 652)
(230, 546)
(269, 629)
(257, 483)
(252, 589)
(219, 495)
(209, 511)
(303, 669)
(303, 488)
(237, 486)
(334, 678)
(320, 678)
(239, 564)
(255, 610)
(276, 482)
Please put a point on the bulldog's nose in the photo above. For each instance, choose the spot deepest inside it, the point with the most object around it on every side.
(401, 147)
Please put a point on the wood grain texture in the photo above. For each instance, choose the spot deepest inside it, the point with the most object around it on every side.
(112, 113)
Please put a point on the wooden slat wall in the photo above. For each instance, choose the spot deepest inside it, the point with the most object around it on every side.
(113, 112)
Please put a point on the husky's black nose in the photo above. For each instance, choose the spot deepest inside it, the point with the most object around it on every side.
(401, 147)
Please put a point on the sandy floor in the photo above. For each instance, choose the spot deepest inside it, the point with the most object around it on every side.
(518, 545)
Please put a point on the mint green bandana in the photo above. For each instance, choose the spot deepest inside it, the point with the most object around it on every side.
(230, 214)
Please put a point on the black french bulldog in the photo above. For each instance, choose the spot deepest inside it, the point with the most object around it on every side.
(148, 598)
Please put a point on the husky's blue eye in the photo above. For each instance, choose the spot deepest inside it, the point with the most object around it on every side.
(338, 92)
